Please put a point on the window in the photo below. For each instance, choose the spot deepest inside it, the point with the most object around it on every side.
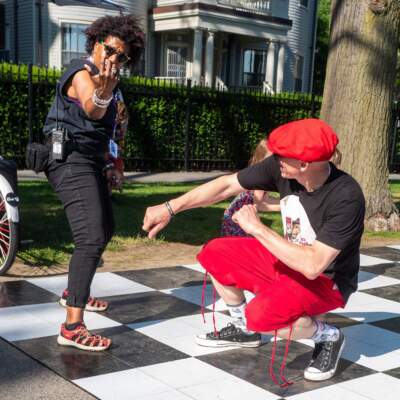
(304, 3)
(73, 42)
(298, 73)
(254, 67)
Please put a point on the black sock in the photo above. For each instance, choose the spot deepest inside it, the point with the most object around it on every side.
(71, 327)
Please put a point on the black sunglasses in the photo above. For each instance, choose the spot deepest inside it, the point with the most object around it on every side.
(122, 58)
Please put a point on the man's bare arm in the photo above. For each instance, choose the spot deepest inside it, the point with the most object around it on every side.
(157, 217)
(310, 261)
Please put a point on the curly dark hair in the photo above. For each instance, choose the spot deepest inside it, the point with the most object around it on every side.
(124, 27)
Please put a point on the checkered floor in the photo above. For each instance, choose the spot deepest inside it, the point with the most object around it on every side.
(154, 315)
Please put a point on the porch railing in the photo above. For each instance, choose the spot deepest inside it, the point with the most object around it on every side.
(255, 6)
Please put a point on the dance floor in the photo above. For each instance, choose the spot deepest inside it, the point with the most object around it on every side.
(153, 318)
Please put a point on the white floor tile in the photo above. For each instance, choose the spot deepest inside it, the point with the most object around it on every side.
(170, 395)
(123, 385)
(104, 284)
(185, 373)
(193, 294)
(180, 333)
(368, 261)
(228, 389)
(367, 308)
(39, 320)
(374, 387)
(366, 280)
(333, 392)
(372, 347)
(195, 267)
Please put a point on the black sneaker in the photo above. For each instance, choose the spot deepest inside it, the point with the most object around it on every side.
(325, 360)
(231, 335)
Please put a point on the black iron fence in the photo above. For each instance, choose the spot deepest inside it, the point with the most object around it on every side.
(172, 126)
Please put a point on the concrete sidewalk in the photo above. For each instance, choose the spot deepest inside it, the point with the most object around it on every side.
(145, 177)
(155, 177)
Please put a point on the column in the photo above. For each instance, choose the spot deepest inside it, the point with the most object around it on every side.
(210, 58)
(281, 68)
(270, 70)
(197, 53)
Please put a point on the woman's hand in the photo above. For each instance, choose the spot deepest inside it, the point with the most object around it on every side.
(248, 219)
(115, 178)
(107, 78)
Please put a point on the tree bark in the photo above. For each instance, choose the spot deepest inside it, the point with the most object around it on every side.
(358, 97)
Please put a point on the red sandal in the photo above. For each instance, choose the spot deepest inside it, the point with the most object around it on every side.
(82, 339)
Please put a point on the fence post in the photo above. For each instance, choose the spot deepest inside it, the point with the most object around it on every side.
(187, 124)
(30, 103)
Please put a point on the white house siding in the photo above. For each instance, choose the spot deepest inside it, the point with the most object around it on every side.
(84, 15)
(25, 20)
(300, 41)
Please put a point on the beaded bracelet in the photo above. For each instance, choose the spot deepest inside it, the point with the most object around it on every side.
(169, 208)
(99, 102)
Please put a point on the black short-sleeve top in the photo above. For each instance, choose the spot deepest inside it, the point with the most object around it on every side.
(333, 214)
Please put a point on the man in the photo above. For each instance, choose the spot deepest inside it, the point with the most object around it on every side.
(293, 282)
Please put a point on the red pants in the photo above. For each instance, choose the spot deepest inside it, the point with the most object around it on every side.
(282, 294)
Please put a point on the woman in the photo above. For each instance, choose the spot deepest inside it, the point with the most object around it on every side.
(85, 107)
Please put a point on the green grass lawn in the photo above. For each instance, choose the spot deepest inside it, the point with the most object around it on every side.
(43, 220)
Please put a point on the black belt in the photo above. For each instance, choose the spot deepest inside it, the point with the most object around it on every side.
(71, 146)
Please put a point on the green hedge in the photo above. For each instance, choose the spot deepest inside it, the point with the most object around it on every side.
(223, 127)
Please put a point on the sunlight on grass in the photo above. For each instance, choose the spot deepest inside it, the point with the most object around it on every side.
(43, 220)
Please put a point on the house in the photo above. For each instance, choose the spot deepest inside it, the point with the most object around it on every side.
(265, 44)
(4, 46)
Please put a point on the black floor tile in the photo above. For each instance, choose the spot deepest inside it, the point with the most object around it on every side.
(392, 324)
(139, 350)
(22, 293)
(339, 320)
(252, 365)
(130, 349)
(393, 372)
(385, 292)
(391, 270)
(148, 306)
(165, 278)
(383, 252)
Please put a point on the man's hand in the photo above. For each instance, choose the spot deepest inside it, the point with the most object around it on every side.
(248, 219)
(155, 219)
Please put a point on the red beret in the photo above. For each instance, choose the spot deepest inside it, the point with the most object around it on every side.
(306, 140)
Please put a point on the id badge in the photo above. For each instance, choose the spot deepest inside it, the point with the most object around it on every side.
(113, 149)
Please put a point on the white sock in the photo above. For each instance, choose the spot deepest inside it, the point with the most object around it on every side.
(237, 312)
(325, 332)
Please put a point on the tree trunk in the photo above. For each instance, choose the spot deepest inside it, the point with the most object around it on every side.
(358, 96)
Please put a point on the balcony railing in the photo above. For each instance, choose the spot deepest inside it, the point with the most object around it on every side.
(254, 6)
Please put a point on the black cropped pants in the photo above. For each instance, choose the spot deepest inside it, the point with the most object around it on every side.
(82, 188)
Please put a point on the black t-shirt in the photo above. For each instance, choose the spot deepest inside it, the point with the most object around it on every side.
(92, 136)
(333, 214)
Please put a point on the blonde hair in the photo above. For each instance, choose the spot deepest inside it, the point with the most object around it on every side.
(336, 157)
(260, 152)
